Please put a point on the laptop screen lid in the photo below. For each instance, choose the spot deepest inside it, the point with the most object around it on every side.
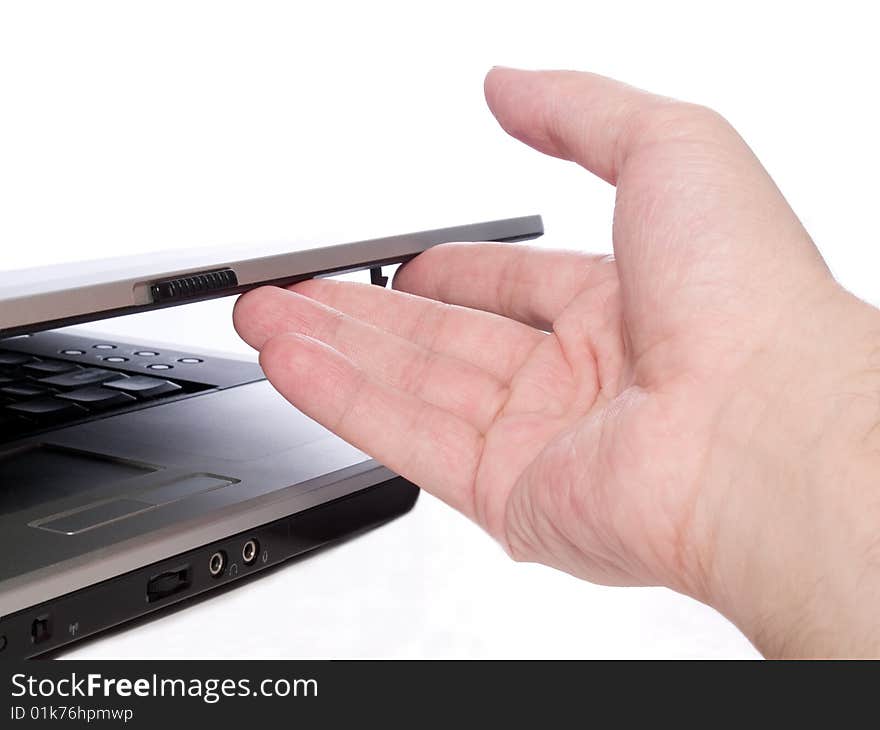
(54, 296)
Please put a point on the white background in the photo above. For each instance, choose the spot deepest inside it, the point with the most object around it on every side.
(130, 127)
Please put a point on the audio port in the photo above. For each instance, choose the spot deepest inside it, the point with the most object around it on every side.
(217, 564)
(250, 551)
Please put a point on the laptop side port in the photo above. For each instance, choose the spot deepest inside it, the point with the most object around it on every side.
(168, 583)
(41, 629)
(250, 551)
(217, 564)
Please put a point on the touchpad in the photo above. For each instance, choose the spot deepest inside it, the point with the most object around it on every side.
(45, 473)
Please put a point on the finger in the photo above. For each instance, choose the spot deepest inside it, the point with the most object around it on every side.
(423, 443)
(527, 284)
(495, 344)
(453, 385)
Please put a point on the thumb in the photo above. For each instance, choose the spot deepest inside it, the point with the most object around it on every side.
(577, 116)
(698, 222)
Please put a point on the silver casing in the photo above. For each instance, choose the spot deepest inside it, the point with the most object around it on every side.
(272, 459)
(53, 296)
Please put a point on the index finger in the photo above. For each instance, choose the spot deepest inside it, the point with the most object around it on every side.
(428, 445)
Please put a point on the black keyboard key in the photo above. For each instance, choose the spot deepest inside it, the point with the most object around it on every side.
(23, 391)
(43, 368)
(80, 378)
(48, 408)
(13, 359)
(94, 397)
(144, 386)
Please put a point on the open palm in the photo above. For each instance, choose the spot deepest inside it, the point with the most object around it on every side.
(576, 406)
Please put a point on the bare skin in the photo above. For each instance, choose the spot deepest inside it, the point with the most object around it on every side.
(699, 411)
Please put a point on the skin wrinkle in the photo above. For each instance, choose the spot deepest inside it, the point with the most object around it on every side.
(601, 503)
(497, 401)
(480, 512)
(524, 519)
(574, 370)
(504, 395)
(537, 393)
(613, 379)
(517, 524)
(416, 417)
(470, 489)
(633, 400)
(518, 330)
(624, 144)
(503, 293)
(437, 315)
(528, 356)
(594, 491)
(441, 319)
(538, 536)
(556, 526)
(610, 324)
(686, 534)
(665, 124)
(350, 401)
(328, 326)
(486, 481)
(520, 291)
(413, 379)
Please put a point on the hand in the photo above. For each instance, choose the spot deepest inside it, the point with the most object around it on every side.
(697, 411)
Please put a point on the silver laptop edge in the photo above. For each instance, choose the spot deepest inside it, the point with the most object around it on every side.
(54, 296)
(86, 570)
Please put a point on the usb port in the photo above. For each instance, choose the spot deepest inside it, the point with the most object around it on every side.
(168, 583)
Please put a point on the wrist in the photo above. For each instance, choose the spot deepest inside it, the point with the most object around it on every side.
(793, 552)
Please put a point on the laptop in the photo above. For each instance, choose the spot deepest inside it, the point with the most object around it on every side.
(134, 476)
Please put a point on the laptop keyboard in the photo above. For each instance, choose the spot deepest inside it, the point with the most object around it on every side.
(38, 393)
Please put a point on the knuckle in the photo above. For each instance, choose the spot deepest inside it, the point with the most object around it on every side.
(670, 120)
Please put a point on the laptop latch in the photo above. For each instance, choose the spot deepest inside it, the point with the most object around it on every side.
(377, 278)
(191, 286)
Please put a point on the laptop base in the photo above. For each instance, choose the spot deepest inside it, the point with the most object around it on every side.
(52, 625)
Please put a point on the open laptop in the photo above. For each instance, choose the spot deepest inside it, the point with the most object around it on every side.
(135, 476)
